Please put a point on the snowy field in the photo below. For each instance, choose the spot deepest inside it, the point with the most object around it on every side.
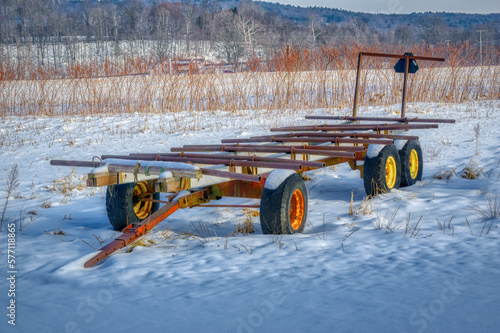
(424, 258)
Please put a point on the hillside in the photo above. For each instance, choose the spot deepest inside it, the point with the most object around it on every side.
(377, 21)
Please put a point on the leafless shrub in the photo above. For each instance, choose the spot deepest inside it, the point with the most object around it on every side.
(387, 222)
(277, 239)
(472, 170)
(490, 211)
(433, 152)
(364, 208)
(415, 230)
(10, 187)
(445, 174)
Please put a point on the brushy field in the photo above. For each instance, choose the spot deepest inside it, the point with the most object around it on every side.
(292, 79)
(242, 91)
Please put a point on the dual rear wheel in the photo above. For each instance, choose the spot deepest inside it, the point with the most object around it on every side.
(283, 210)
(392, 168)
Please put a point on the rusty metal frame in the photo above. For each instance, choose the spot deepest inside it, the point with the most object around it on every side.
(245, 165)
(406, 58)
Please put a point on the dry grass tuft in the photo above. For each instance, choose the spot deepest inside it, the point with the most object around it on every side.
(364, 208)
(490, 211)
(247, 226)
(143, 241)
(445, 174)
(472, 170)
(387, 222)
(71, 182)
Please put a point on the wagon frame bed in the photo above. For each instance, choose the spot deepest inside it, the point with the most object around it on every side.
(192, 174)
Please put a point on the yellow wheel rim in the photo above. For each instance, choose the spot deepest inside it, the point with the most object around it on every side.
(142, 208)
(413, 164)
(391, 172)
(297, 209)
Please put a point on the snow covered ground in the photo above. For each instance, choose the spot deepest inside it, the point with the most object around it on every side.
(419, 259)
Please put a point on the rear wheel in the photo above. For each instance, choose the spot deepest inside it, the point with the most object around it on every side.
(382, 173)
(124, 204)
(412, 163)
(283, 210)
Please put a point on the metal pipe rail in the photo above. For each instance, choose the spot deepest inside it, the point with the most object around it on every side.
(153, 157)
(384, 119)
(265, 149)
(278, 137)
(132, 169)
(373, 127)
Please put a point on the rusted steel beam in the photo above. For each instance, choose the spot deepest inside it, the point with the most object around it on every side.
(154, 171)
(113, 168)
(309, 164)
(356, 88)
(405, 80)
(97, 180)
(401, 120)
(397, 56)
(271, 138)
(230, 206)
(269, 149)
(238, 189)
(84, 164)
(133, 232)
(355, 135)
(254, 139)
(203, 146)
(225, 156)
(326, 138)
(354, 149)
(374, 127)
(231, 175)
(233, 162)
(337, 140)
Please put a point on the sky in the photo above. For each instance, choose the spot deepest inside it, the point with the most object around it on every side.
(403, 6)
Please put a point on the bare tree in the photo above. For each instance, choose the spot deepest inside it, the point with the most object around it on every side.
(404, 35)
(229, 45)
(314, 24)
(430, 29)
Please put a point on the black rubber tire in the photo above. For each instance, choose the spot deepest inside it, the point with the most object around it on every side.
(404, 156)
(374, 171)
(119, 205)
(275, 207)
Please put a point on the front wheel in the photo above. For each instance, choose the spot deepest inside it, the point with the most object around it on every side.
(124, 205)
(283, 210)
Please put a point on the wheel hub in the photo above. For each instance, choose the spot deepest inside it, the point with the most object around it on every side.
(413, 164)
(297, 209)
(390, 172)
(142, 208)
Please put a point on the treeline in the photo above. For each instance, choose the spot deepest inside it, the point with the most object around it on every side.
(61, 36)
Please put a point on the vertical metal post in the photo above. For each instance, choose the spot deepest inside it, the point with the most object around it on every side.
(407, 66)
(357, 83)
